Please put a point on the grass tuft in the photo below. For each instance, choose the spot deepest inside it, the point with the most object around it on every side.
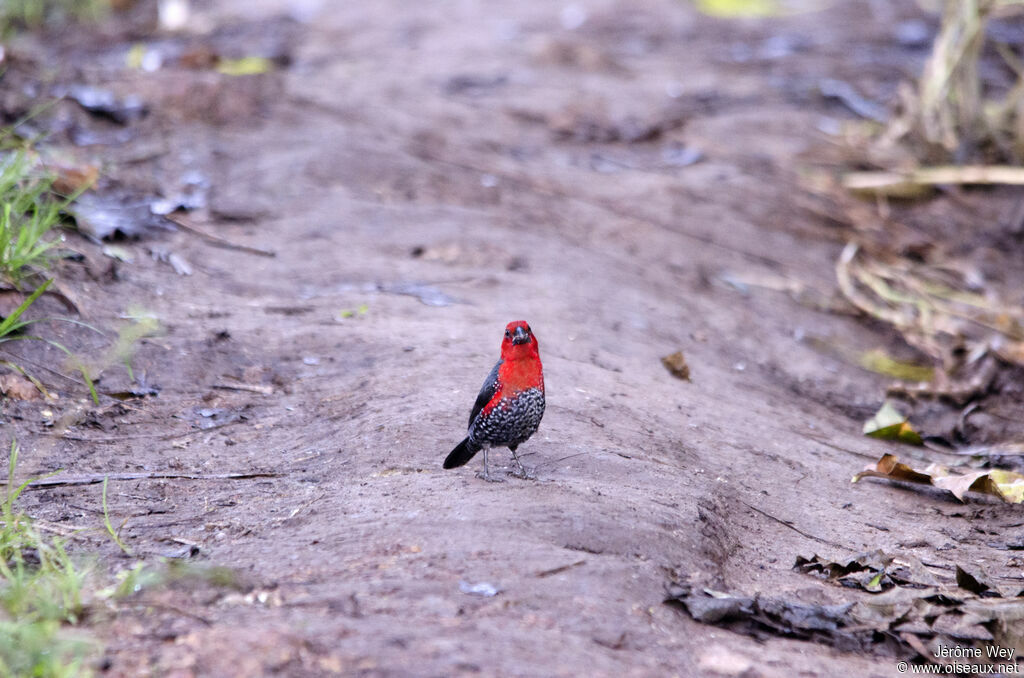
(35, 14)
(41, 591)
(28, 215)
(110, 527)
(29, 212)
(952, 114)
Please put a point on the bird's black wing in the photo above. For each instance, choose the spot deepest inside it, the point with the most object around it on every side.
(486, 392)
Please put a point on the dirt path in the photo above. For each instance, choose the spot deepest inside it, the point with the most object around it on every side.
(450, 168)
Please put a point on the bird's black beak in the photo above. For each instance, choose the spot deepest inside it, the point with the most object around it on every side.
(520, 336)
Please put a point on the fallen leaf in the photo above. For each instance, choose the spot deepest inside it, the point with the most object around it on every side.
(100, 217)
(889, 424)
(69, 180)
(350, 313)
(1005, 485)
(767, 617)
(179, 264)
(974, 584)
(176, 261)
(1010, 484)
(899, 622)
(102, 102)
(873, 571)
(676, 364)
(880, 362)
(482, 589)
(18, 387)
(889, 466)
(250, 65)
(119, 253)
(736, 9)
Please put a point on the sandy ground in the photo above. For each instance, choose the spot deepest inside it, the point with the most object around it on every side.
(431, 173)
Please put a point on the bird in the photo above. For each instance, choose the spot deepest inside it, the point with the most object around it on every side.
(510, 405)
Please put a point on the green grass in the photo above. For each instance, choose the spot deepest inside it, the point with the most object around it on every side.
(41, 592)
(110, 527)
(46, 595)
(36, 14)
(29, 213)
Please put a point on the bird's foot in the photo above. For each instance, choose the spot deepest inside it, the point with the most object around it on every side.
(486, 475)
(524, 472)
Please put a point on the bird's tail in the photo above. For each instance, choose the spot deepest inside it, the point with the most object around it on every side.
(462, 453)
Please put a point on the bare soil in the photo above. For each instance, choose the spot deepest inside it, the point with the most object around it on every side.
(425, 173)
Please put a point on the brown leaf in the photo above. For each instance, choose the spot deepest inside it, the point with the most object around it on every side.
(676, 364)
(968, 581)
(18, 387)
(1006, 485)
(69, 180)
(889, 466)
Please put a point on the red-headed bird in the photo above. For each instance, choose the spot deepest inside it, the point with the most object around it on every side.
(511, 402)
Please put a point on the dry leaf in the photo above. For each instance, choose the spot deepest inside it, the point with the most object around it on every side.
(1006, 485)
(889, 424)
(676, 364)
(18, 387)
(69, 180)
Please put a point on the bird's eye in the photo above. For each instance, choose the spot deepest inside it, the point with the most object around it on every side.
(508, 334)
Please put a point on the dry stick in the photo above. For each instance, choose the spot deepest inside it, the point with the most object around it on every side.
(930, 176)
(825, 443)
(547, 463)
(93, 479)
(302, 507)
(219, 241)
(134, 436)
(139, 436)
(797, 529)
(252, 388)
(559, 569)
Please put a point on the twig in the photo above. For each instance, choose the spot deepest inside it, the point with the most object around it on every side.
(873, 457)
(162, 436)
(254, 388)
(555, 461)
(306, 505)
(218, 241)
(931, 176)
(560, 569)
(109, 440)
(790, 525)
(57, 528)
(93, 479)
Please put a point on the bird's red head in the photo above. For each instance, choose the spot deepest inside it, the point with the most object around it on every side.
(519, 342)
(520, 367)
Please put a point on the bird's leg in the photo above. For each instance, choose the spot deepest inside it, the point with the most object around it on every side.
(486, 475)
(520, 471)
